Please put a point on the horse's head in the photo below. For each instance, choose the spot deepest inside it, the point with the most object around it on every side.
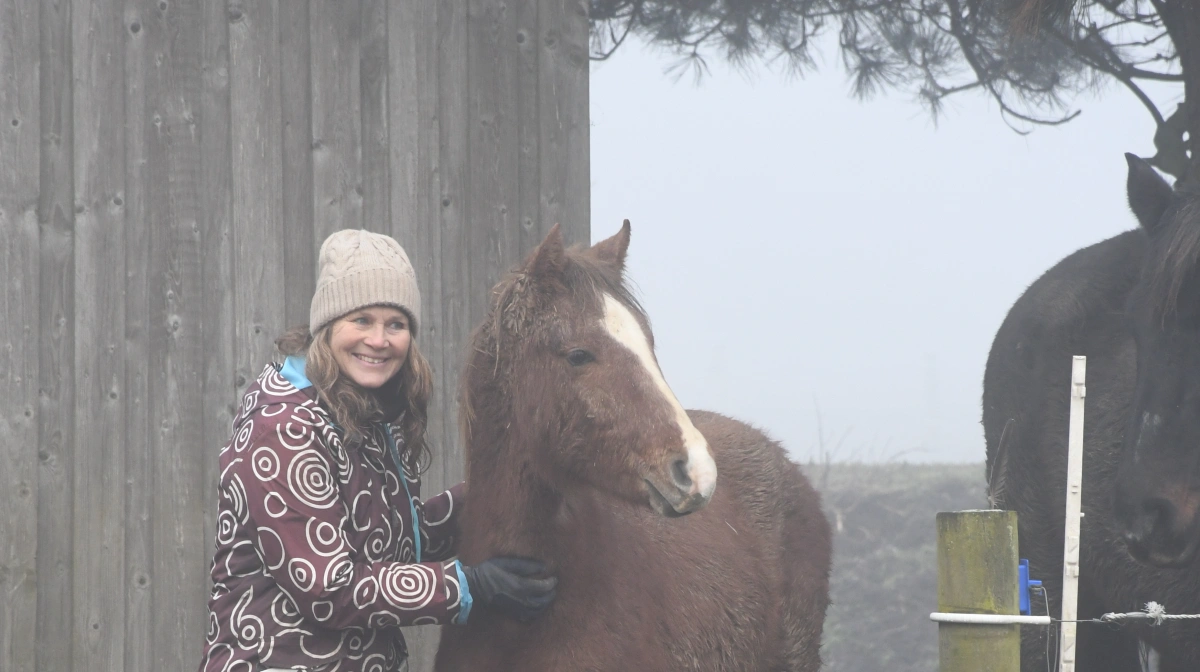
(1157, 496)
(566, 359)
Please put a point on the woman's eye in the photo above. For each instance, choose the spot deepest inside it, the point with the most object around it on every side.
(398, 326)
(361, 321)
(578, 357)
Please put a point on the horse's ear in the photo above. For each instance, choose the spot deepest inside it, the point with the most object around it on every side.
(538, 281)
(1149, 194)
(550, 257)
(612, 250)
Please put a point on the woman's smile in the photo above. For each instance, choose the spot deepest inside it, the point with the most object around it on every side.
(370, 345)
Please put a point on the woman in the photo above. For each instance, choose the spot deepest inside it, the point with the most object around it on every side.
(324, 548)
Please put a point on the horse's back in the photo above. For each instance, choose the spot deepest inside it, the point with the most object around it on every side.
(774, 495)
(755, 469)
(740, 585)
(1074, 308)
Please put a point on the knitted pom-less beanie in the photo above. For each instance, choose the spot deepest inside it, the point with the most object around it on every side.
(356, 269)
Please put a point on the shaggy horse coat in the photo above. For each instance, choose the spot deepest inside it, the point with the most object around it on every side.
(575, 457)
(1091, 304)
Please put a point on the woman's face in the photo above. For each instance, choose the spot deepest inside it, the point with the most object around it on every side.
(371, 344)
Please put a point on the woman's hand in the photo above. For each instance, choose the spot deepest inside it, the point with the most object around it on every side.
(508, 584)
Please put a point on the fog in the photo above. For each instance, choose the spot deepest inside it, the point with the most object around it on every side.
(834, 270)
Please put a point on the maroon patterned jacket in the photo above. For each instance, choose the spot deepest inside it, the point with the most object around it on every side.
(318, 561)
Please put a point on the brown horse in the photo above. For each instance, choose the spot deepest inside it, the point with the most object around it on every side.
(579, 454)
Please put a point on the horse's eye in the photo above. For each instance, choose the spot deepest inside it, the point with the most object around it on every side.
(578, 357)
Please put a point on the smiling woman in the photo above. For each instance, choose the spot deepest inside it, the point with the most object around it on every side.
(360, 336)
(324, 547)
(370, 345)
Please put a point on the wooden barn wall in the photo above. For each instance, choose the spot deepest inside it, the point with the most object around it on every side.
(168, 169)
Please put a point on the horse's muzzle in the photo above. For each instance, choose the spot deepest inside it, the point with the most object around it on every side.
(684, 486)
(1154, 533)
(1166, 557)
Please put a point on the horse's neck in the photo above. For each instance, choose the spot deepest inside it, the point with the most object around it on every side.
(512, 511)
(509, 510)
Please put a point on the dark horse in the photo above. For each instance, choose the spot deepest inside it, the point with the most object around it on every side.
(580, 455)
(1131, 304)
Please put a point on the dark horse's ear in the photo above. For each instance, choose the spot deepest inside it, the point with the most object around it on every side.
(1149, 194)
(550, 257)
(612, 250)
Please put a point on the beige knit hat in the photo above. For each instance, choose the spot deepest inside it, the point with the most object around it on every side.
(356, 269)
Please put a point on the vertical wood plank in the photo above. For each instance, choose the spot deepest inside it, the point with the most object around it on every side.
(445, 82)
(142, 38)
(373, 74)
(216, 192)
(175, 333)
(529, 179)
(493, 72)
(299, 274)
(56, 342)
(336, 117)
(257, 201)
(453, 54)
(99, 504)
(19, 148)
(416, 202)
(412, 115)
(415, 198)
(563, 118)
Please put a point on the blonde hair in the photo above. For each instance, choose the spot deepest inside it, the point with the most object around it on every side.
(405, 397)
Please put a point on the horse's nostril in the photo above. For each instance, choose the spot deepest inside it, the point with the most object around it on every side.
(1154, 516)
(679, 474)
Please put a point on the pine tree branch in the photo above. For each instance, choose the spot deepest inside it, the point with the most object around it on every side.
(922, 45)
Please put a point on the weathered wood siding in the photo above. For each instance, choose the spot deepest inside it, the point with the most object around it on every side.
(168, 170)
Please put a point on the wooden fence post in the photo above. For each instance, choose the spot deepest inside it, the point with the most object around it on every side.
(977, 574)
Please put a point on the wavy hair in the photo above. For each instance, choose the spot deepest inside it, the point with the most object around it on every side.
(404, 399)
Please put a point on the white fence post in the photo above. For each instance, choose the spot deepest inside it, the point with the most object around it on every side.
(1070, 590)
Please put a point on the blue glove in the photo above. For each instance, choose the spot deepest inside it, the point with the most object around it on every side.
(508, 584)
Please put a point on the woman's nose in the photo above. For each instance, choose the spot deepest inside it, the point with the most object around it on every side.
(377, 337)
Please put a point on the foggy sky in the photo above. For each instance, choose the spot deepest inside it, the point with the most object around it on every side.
(797, 249)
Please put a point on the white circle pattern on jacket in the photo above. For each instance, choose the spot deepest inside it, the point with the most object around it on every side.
(302, 516)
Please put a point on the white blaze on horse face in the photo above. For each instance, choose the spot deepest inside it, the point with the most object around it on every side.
(626, 330)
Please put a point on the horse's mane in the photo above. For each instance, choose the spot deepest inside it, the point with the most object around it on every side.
(587, 277)
(511, 317)
(1172, 257)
